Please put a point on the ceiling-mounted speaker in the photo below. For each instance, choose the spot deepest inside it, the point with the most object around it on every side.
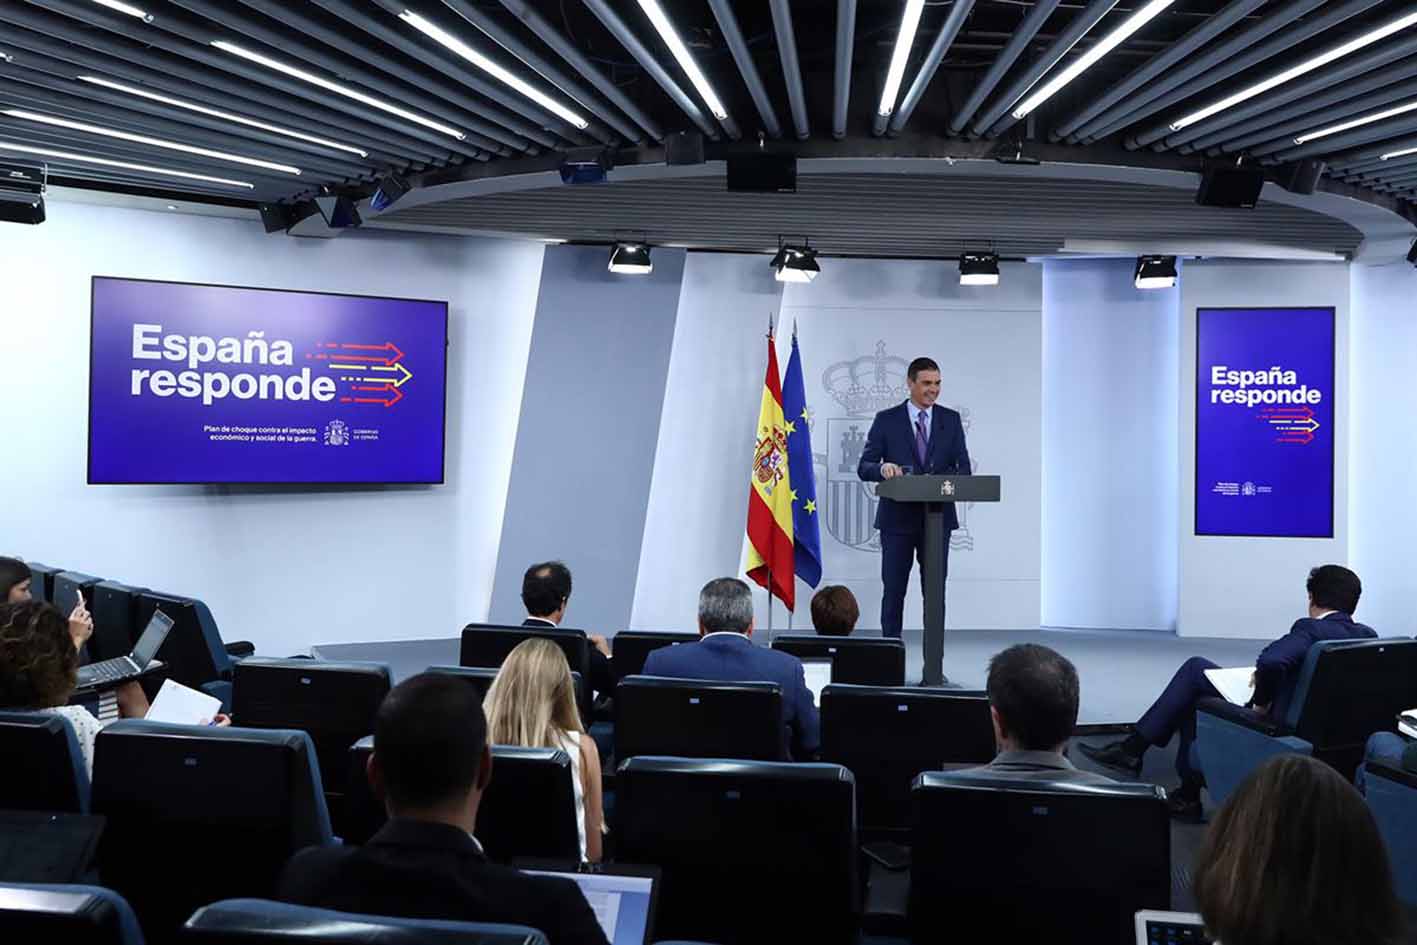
(763, 173)
(276, 217)
(684, 147)
(1225, 185)
(1300, 177)
(22, 193)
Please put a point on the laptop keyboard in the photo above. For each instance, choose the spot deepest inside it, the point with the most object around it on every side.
(106, 671)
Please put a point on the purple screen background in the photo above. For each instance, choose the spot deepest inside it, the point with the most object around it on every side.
(1235, 444)
(151, 439)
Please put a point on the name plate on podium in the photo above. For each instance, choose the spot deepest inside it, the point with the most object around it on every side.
(940, 489)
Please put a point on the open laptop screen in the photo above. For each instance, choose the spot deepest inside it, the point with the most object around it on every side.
(819, 674)
(622, 904)
(151, 640)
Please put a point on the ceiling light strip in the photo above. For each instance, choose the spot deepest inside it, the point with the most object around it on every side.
(127, 8)
(449, 41)
(1309, 65)
(691, 68)
(153, 142)
(904, 40)
(1356, 123)
(338, 89)
(224, 116)
(1088, 59)
(105, 162)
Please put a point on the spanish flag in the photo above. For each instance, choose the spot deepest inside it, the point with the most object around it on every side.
(770, 548)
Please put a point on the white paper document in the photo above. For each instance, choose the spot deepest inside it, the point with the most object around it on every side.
(182, 705)
(1407, 723)
(1235, 684)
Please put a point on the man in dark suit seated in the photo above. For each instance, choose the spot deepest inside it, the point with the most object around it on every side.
(546, 592)
(726, 653)
(1333, 596)
(431, 764)
(1033, 700)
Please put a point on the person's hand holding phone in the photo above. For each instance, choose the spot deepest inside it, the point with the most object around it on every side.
(80, 622)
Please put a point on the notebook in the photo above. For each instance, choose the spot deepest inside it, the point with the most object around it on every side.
(622, 897)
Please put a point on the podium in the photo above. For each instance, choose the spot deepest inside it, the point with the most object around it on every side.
(934, 492)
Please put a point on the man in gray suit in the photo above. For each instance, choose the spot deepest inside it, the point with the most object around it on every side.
(1033, 699)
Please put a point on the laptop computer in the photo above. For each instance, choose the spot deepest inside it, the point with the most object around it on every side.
(120, 669)
(623, 897)
(40, 847)
(819, 675)
(1170, 928)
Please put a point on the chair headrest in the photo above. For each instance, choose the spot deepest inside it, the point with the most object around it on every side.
(815, 640)
(741, 770)
(259, 919)
(907, 693)
(958, 782)
(697, 685)
(89, 906)
(352, 667)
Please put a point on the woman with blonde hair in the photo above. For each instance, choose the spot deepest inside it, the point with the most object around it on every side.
(532, 703)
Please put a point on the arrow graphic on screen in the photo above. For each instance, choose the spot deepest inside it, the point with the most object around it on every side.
(394, 395)
(1291, 424)
(393, 353)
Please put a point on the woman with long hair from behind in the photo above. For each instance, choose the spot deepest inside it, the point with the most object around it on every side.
(1294, 858)
(532, 703)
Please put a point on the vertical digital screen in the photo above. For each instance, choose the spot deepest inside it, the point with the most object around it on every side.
(1264, 422)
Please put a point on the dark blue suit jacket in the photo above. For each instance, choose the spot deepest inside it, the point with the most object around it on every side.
(732, 657)
(1277, 668)
(892, 440)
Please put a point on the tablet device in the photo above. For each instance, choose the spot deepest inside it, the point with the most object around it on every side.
(1170, 928)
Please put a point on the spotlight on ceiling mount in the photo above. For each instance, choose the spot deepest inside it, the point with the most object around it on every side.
(979, 269)
(391, 188)
(1155, 272)
(586, 165)
(795, 263)
(630, 259)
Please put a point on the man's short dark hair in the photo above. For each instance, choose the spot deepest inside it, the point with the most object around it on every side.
(921, 364)
(429, 734)
(546, 587)
(1334, 587)
(835, 611)
(1035, 691)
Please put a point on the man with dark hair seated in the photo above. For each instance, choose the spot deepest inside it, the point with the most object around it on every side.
(835, 611)
(1333, 597)
(546, 592)
(431, 764)
(1033, 700)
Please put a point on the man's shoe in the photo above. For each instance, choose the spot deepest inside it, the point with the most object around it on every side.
(1113, 755)
(1184, 807)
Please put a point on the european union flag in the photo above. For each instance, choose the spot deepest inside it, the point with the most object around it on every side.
(806, 536)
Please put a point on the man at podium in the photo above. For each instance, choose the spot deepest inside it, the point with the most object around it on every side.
(918, 437)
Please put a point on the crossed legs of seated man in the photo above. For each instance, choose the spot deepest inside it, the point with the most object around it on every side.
(1174, 713)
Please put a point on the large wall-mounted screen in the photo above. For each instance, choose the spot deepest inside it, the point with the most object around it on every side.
(1264, 422)
(219, 384)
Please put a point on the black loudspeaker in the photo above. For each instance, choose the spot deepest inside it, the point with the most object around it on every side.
(338, 211)
(391, 188)
(763, 173)
(275, 217)
(1224, 185)
(684, 147)
(1300, 177)
(1412, 253)
(21, 193)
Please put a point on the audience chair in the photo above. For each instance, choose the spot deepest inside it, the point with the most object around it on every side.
(44, 767)
(71, 915)
(752, 852)
(193, 652)
(1345, 691)
(633, 647)
(1035, 861)
(197, 813)
(1392, 797)
(861, 661)
(887, 736)
(699, 718)
(529, 809)
(487, 645)
(333, 702)
(480, 678)
(115, 609)
(258, 921)
(42, 580)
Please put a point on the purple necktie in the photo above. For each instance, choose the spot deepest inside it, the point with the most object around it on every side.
(920, 441)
